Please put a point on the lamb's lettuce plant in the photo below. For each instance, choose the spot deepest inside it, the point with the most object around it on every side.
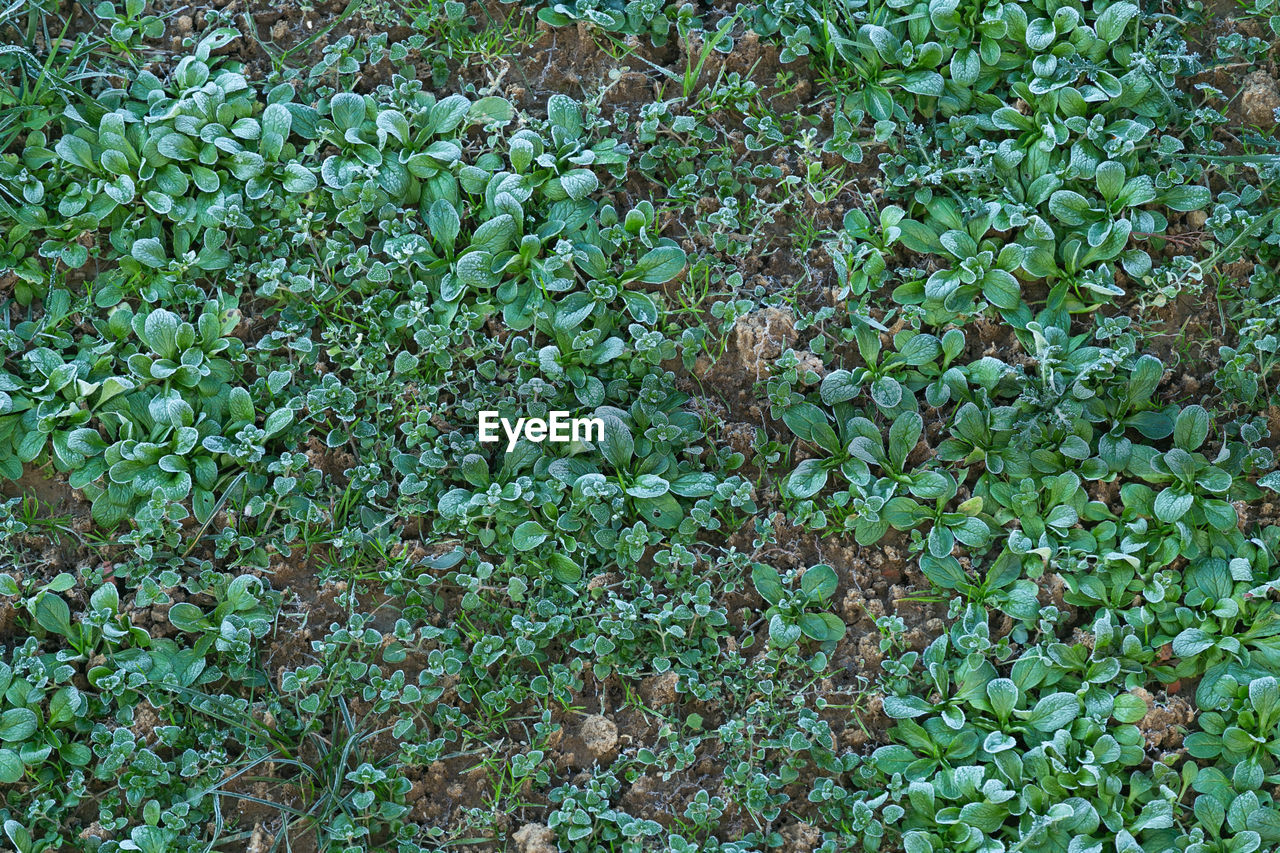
(896, 334)
(798, 612)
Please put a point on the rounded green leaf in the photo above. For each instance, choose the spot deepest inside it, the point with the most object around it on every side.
(807, 479)
(298, 179)
(823, 627)
(768, 583)
(11, 771)
(819, 581)
(17, 724)
(347, 110)
(528, 536)
(186, 616)
(659, 265)
(1192, 642)
(150, 252)
(1191, 428)
(1002, 693)
(648, 486)
(1054, 712)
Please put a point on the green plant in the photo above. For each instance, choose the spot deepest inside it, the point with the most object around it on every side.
(922, 295)
(797, 612)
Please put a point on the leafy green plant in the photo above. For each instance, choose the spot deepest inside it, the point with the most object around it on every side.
(243, 613)
(916, 293)
(129, 27)
(978, 269)
(862, 249)
(797, 612)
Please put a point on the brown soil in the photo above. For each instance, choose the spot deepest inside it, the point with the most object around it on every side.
(535, 838)
(659, 690)
(1259, 99)
(800, 838)
(594, 741)
(1166, 720)
(755, 342)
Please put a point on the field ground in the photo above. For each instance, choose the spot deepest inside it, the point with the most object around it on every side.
(935, 344)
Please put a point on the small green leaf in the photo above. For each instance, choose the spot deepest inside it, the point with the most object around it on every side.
(187, 617)
(767, 582)
(490, 110)
(1111, 24)
(564, 113)
(838, 386)
(149, 251)
(1054, 712)
(579, 183)
(807, 479)
(782, 633)
(277, 421)
(823, 627)
(53, 614)
(617, 445)
(298, 179)
(1003, 695)
(1191, 428)
(1264, 694)
(1129, 708)
(905, 707)
(160, 331)
(17, 724)
(819, 581)
(659, 265)
(1187, 197)
(347, 110)
(1192, 642)
(11, 772)
(75, 151)
(565, 570)
(393, 123)
(648, 486)
(528, 536)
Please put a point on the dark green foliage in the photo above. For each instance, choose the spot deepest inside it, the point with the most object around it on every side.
(998, 508)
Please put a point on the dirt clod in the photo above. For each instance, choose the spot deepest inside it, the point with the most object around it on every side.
(600, 736)
(1259, 99)
(145, 721)
(534, 838)
(1166, 720)
(93, 830)
(260, 841)
(762, 337)
(659, 690)
(800, 838)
